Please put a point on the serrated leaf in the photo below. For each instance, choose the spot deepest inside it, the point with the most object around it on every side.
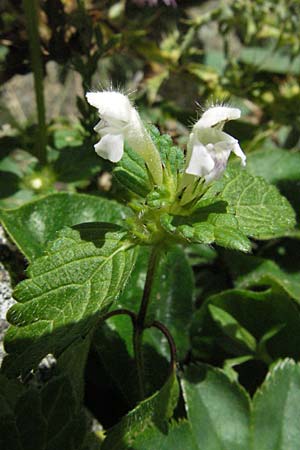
(275, 417)
(211, 224)
(231, 238)
(218, 409)
(33, 225)
(150, 413)
(131, 172)
(261, 211)
(46, 419)
(69, 289)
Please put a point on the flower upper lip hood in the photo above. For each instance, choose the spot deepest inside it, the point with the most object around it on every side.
(120, 122)
(217, 115)
(209, 147)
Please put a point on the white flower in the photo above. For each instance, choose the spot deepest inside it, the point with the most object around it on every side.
(209, 147)
(120, 122)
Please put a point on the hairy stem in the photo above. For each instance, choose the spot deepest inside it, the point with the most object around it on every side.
(31, 13)
(141, 319)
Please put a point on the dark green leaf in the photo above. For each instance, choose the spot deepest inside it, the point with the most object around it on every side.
(171, 299)
(264, 272)
(33, 225)
(76, 164)
(153, 412)
(9, 184)
(257, 312)
(46, 419)
(116, 368)
(69, 288)
(232, 328)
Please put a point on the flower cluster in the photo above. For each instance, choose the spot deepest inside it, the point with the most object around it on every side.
(208, 147)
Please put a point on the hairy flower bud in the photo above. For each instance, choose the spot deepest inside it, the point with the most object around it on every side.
(120, 122)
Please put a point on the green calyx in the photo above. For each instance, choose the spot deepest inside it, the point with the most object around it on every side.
(153, 220)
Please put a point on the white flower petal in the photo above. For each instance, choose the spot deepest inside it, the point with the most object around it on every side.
(111, 147)
(208, 136)
(239, 152)
(111, 105)
(201, 163)
(120, 121)
(217, 115)
(220, 154)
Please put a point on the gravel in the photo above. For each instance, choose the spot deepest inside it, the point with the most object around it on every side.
(6, 300)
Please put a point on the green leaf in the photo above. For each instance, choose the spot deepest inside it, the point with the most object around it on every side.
(232, 328)
(171, 299)
(218, 410)
(268, 60)
(232, 238)
(275, 417)
(114, 365)
(72, 363)
(211, 224)
(46, 419)
(151, 413)
(131, 172)
(170, 303)
(264, 272)
(69, 289)
(10, 391)
(257, 312)
(274, 165)
(221, 415)
(75, 164)
(178, 437)
(260, 210)
(33, 225)
(9, 184)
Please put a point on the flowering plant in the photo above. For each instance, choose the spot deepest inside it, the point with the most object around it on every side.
(114, 287)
